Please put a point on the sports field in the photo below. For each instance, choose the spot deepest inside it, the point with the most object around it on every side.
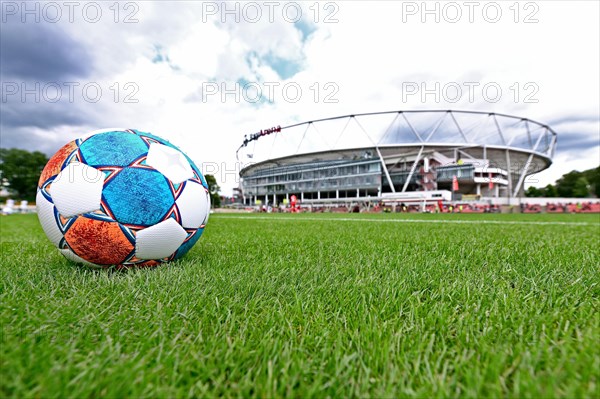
(313, 306)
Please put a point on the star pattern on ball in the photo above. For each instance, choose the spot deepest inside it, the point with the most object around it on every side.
(122, 198)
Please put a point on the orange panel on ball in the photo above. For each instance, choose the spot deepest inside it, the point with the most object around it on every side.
(53, 166)
(98, 241)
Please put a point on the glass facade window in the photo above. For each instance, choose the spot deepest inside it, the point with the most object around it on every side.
(333, 176)
(447, 173)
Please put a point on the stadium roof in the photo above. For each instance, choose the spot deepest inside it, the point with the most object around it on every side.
(517, 144)
(402, 128)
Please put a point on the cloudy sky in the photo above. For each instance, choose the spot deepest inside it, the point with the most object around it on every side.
(204, 74)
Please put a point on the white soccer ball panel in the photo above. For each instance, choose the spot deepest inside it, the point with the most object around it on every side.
(159, 241)
(77, 189)
(193, 205)
(45, 211)
(98, 131)
(169, 162)
(70, 255)
(207, 208)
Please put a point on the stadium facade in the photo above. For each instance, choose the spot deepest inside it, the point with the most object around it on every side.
(395, 156)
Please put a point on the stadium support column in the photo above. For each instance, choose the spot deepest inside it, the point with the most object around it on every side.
(523, 174)
(385, 170)
(508, 169)
(527, 165)
(552, 146)
(412, 169)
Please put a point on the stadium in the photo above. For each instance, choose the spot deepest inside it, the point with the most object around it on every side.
(395, 157)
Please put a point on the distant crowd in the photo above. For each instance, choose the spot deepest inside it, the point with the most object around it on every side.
(579, 207)
(400, 208)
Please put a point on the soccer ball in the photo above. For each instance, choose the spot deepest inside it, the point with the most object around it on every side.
(123, 198)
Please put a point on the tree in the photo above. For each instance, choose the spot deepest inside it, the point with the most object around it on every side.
(581, 188)
(533, 192)
(574, 184)
(550, 191)
(593, 177)
(213, 188)
(566, 184)
(22, 169)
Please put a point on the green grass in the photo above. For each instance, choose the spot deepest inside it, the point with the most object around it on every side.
(313, 306)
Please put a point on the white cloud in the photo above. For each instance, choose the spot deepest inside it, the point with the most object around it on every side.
(196, 55)
(368, 57)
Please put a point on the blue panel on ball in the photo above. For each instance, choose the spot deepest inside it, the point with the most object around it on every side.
(138, 196)
(113, 149)
(186, 246)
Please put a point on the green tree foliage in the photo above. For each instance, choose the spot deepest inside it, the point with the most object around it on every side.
(22, 169)
(213, 187)
(550, 191)
(581, 188)
(593, 177)
(566, 184)
(534, 192)
(574, 184)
